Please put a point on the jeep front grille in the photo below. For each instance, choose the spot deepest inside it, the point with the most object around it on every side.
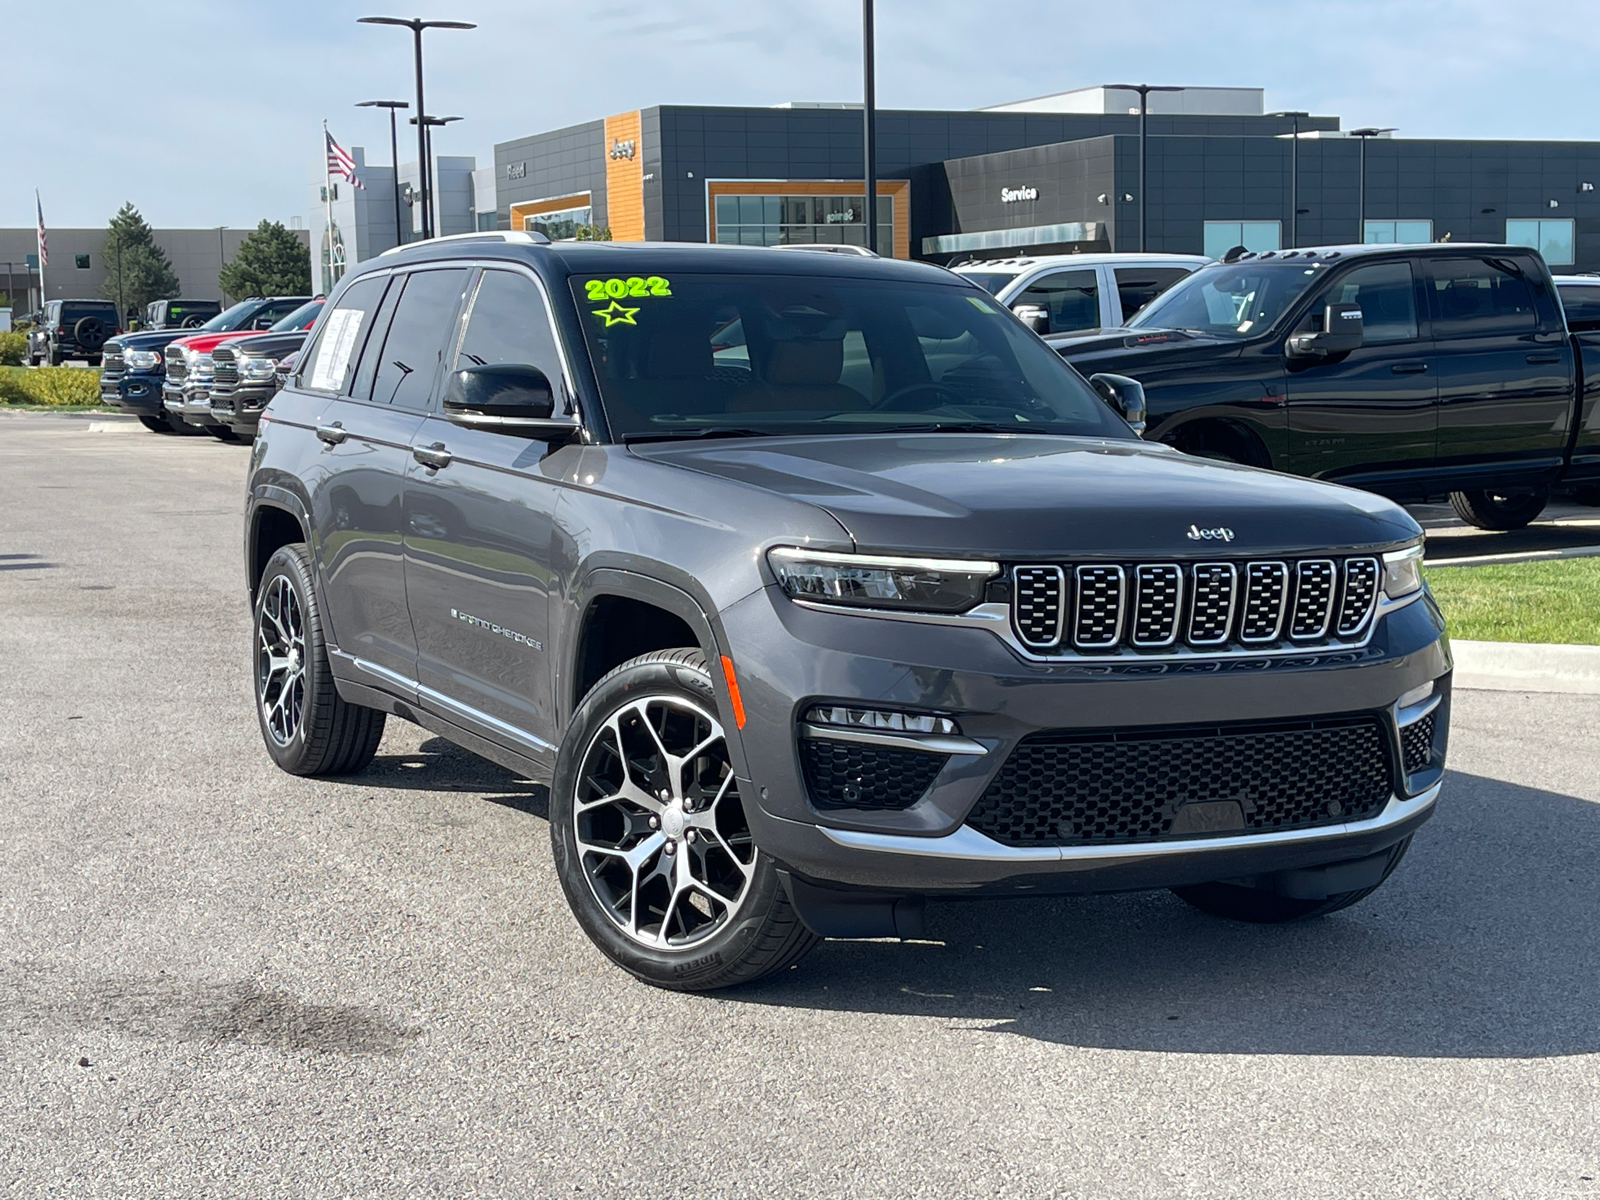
(1229, 607)
(1064, 787)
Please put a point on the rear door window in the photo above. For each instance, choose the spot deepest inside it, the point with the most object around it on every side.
(1137, 286)
(416, 339)
(1072, 298)
(328, 365)
(1480, 297)
(1582, 304)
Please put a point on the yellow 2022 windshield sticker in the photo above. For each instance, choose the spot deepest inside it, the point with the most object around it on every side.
(620, 288)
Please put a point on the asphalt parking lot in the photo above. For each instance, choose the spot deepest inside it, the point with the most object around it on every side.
(218, 980)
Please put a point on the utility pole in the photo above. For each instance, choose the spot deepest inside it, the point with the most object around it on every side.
(1144, 90)
(869, 130)
(394, 157)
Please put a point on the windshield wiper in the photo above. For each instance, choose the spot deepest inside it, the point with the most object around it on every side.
(709, 431)
(963, 427)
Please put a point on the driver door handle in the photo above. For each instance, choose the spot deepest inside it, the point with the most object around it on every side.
(434, 456)
(1409, 368)
(332, 434)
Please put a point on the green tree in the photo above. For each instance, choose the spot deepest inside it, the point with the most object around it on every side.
(270, 262)
(137, 270)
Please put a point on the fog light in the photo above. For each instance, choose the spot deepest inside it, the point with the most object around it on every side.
(880, 719)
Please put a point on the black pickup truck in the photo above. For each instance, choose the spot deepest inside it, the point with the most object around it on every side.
(1415, 371)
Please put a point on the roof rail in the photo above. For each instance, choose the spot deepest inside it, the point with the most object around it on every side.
(531, 237)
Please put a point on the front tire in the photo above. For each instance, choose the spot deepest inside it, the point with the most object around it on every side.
(156, 424)
(1261, 907)
(1499, 511)
(308, 729)
(221, 432)
(650, 838)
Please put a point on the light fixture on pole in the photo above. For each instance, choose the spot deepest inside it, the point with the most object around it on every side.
(1294, 175)
(417, 25)
(394, 157)
(869, 125)
(1144, 90)
(1370, 131)
(431, 201)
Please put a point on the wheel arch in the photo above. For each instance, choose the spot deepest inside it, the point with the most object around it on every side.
(1214, 436)
(277, 519)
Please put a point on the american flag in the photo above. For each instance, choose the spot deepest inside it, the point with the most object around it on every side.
(44, 243)
(340, 163)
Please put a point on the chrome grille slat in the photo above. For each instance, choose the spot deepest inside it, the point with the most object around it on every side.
(1041, 604)
(1097, 607)
(1157, 601)
(1214, 588)
(1360, 595)
(1266, 595)
(1314, 581)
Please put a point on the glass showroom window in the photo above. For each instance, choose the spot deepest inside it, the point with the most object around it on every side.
(1550, 237)
(1404, 233)
(1222, 236)
(557, 225)
(784, 220)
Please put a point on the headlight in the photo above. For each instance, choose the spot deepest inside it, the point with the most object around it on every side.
(1402, 572)
(141, 360)
(872, 581)
(257, 369)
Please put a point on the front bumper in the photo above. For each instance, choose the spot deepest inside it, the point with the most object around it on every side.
(133, 391)
(195, 405)
(789, 657)
(241, 408)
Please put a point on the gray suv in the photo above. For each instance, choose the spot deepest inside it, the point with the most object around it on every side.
(816, 586)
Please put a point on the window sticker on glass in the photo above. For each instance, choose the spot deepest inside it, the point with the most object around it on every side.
(630, 287)
(980, 305)
(338, 344)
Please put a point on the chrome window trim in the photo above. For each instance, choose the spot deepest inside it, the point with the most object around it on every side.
(1283, 601)
(1177, 612)
(966, 843)
(1377, 591)
(1327, 609)
(1233, 606)
(1077, 607)
(933, 743)
(1061, 603)
(995, 617)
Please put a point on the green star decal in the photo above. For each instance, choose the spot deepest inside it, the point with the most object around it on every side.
(616, 314)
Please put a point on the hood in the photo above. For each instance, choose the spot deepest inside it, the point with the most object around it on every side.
(273, 345)
(149, 339)
(1013, 496)
(1101, 349)
(203, 342)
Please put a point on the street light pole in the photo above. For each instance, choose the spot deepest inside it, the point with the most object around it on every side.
(1144, 90)
(430, 199)
(1361, 177)
(424, 172)
(869, 129)
(394, 157)
(222, 261)
(1294, 175)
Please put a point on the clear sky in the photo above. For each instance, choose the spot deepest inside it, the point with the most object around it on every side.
(208, 112)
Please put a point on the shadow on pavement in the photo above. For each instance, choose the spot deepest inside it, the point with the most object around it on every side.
(1484, 944)
(442, 766)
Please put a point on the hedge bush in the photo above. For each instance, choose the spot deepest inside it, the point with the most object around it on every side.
(50, 387)
(13, 345)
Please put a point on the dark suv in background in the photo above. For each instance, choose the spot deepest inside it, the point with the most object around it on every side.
(72, 329)
(179, 314)
(817, 585)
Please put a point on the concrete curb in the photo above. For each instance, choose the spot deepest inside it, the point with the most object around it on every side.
(1526, 667)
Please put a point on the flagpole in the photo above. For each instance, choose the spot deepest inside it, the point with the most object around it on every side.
(38, 207)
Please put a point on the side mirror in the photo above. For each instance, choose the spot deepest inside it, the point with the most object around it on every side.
(1124, 395)
(510, 397)
(1034, 316)
(1341, 333)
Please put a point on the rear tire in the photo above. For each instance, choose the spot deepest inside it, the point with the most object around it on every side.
(1261, 907)
(1499, 511)
(308, 729)
(650, 838)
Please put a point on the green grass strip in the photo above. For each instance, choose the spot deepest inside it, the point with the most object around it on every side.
(1552, 600)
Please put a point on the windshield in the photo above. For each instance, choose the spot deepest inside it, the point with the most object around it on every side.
(1231, 300)
(231, 318)
(300, 318)
(776, 354)
(989, 281)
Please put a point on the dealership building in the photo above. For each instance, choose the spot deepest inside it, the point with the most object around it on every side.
(1060, 173)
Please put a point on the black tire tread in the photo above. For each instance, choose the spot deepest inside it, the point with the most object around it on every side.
(1480, 509)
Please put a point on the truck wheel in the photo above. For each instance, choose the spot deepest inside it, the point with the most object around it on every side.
(222, 433)
(308, 729)
(650, 837)
(1261, 907)
(1499, 510)
(57, 358)
(156, 424)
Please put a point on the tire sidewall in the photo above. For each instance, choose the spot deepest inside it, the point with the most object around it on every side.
(290, 563)
(690, 680)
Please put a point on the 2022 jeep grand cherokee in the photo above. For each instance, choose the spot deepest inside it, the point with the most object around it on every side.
(816, 586)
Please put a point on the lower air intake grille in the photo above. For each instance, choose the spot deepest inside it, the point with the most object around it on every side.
(1066, 787)
(1416, 744)
(852, 775)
